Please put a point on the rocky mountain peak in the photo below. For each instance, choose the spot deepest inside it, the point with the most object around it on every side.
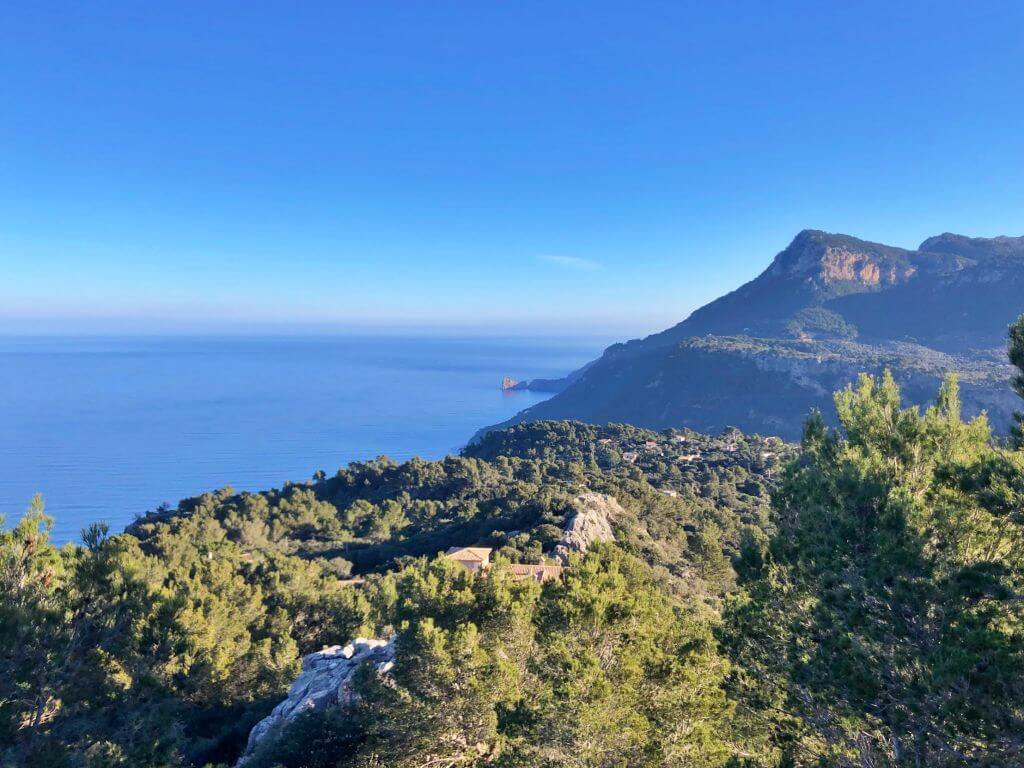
(831, 260)
(827, 307)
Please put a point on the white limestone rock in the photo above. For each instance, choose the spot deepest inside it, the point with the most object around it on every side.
(590, 524)
(326, 680)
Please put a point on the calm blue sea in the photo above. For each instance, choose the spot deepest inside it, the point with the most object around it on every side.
(108, 428)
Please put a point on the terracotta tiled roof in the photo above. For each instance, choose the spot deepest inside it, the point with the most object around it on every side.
(481, 554)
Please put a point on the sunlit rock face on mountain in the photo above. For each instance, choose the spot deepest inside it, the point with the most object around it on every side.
(830, 262)
(827, 307)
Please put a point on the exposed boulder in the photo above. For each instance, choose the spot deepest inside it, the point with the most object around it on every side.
(590, 524)
(326, 680)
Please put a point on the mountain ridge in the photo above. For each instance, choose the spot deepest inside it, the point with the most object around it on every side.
(923, 313)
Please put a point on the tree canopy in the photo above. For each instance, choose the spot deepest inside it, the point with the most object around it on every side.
(852, 601)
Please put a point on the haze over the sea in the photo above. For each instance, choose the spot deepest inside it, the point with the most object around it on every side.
(111, 427)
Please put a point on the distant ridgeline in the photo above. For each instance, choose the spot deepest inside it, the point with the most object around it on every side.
(827, 308)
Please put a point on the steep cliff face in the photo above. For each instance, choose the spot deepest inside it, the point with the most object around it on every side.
(829, 262)
(827, 307)
(813, 269)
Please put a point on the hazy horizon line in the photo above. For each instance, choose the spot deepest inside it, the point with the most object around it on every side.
(160, 326)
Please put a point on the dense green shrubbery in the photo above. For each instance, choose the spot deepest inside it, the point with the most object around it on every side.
(871, 615)
(164, 645)
(889, 606)
(601, 668)
(160, 657)
(818, 322)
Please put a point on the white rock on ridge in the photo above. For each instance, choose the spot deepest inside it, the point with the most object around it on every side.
(591, 523)
(326, 680)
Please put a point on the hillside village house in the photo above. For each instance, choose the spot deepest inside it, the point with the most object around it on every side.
(475, 559)
(478, 560)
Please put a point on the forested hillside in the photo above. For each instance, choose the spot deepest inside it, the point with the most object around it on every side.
(852, 601)
(163, 646)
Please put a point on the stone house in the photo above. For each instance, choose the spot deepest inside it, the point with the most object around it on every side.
(475, 559)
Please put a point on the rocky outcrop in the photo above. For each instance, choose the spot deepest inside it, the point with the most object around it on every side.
(826, 260)
(326, 680)
(591, 523)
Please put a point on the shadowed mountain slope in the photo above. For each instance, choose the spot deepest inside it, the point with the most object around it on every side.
(828, 307)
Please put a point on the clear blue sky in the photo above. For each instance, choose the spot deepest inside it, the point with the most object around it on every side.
(511, 166)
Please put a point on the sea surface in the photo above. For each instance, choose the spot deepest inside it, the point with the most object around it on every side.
(108, 428)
